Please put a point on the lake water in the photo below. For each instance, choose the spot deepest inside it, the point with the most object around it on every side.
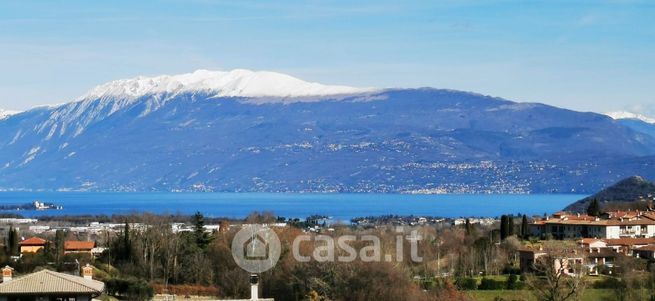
(341, 207)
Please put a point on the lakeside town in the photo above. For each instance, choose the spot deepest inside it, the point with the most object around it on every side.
(597, 254)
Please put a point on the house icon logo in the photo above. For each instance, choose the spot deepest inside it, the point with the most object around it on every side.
(256, 248)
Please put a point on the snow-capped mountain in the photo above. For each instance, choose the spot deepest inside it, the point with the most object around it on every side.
(629, 115)
(637, 122)
(235, 83)
(6, 113)
(264, 131)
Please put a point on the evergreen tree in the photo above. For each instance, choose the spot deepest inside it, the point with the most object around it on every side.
(202, 237)
(470, 230)
(504, 231)
(12, 242)
(594, 208)
(126, 244)
(510, 225)
(525, 231)
(60, 238)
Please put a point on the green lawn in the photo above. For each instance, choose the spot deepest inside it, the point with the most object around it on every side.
(589, 295)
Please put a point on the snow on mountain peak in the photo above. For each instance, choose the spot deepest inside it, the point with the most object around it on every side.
(235, 83)
(630, 115)
(6, 113)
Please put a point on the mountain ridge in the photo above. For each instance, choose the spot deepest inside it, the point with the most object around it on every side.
(387, 140)
(628, 190)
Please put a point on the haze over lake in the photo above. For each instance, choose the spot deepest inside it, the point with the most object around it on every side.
(338, 206)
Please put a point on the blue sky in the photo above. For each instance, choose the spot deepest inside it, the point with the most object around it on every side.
(584, 55)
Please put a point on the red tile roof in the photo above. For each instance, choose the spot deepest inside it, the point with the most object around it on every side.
(33, 241)
(587, 241)
(629, 241)
(646, 248)
(77, 245)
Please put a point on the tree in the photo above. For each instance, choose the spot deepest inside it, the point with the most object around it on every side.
(470, 229)
(510, 225)
(12, 242)
(202, 237)
(594, 208)
(560, 277)
(524, 227)
(504, 224)
(123, 245)
(60, 238)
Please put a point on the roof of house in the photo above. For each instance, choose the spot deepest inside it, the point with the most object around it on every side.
(629, 241)
(79, 245)
(600, 222)
(588, 241)
(33, 241)
(650, 248)
(46, 281)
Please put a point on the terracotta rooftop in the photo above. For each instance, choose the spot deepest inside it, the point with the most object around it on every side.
(587, 241)
(33, 241)
(647, 248)
(48, 282)
(76, 245)
(629, 241)
(600, 222)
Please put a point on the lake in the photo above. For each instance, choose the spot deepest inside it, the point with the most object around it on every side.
(341, 207)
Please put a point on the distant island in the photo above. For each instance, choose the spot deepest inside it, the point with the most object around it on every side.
(36, 205)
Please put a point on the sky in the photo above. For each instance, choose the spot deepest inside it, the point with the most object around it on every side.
(584, 55)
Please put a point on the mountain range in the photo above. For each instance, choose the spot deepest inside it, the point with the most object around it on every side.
(263, 131)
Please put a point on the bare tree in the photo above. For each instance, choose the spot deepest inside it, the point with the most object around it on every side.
(559, 274)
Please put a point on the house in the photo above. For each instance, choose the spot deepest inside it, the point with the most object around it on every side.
(627, 245)
(32, 245)
(647, 252)
(566, 226)
(528, 258)
(592, 244)
(49, 285)
(78, 247)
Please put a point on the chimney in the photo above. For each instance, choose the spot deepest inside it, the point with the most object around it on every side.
(7, 273)
(254, 287)
(87, 272)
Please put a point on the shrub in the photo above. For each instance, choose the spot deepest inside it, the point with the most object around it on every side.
(490, 284)
(467, 283)
(131, 289)
(513, 282)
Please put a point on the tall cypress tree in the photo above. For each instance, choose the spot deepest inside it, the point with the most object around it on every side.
(60, 238)
(594, 208)
(524, 227)
(504, 231)
(126, 252)
(12, 242)
(469, 227)
(510, 225)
